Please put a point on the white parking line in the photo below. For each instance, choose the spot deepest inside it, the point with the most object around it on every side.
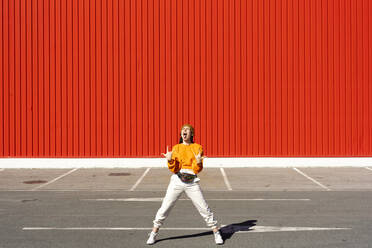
(250, 229)
(368, 168)
(1, 169)
(225, 179)
(140, 179)
(55, 179)
(159, 199)
(312, 179)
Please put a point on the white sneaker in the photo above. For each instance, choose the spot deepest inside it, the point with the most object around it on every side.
(217, 238)
(152, 238)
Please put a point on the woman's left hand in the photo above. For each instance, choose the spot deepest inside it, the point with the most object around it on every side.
(199, 158)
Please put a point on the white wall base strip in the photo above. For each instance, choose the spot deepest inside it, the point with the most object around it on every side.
(161, 162)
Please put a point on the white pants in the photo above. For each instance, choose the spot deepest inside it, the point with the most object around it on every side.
(193, 191)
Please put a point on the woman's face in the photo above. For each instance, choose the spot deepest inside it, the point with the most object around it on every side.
(186, 134)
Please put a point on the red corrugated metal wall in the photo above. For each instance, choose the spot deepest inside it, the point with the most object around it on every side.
(97, 78)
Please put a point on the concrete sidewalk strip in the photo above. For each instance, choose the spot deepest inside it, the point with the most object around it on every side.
(55, 179)
(312, 179)
(157, 179)
(140, 179)
(212, 179)
(346, 178)
(97, 179)
(27, 179)
(227, 182)
(269, 179)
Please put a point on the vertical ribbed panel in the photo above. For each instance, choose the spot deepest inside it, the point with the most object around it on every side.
(109, 78)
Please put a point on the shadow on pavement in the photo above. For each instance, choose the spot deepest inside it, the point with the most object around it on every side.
(229, 230)
(226, 232)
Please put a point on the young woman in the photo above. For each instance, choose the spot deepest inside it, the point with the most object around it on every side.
(185, 161)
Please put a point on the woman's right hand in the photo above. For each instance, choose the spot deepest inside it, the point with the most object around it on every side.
(168, 155)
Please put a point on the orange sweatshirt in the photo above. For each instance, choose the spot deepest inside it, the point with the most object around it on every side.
(183, 158)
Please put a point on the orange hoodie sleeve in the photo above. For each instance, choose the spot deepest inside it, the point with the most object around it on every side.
(174, 164)
(198, 167)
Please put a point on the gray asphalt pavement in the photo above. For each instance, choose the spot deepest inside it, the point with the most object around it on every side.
(80, 210)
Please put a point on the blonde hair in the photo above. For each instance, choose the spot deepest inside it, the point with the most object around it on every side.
(192, 132)
(189, 126)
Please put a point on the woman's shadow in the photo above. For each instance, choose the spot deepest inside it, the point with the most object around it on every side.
(226, 231)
